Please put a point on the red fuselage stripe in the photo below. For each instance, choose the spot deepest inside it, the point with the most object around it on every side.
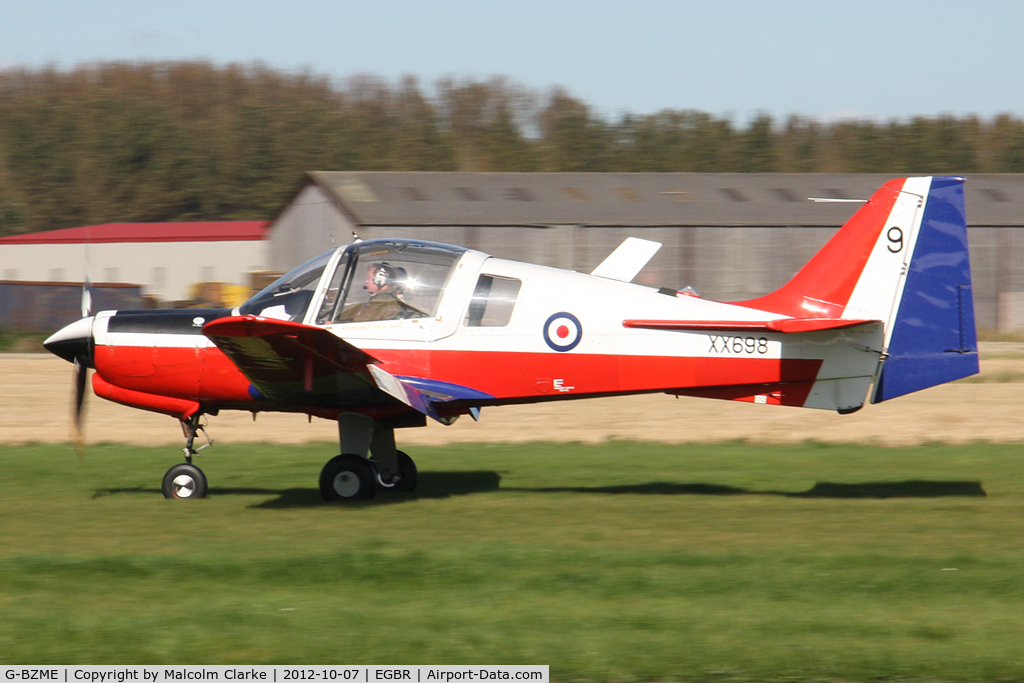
(208, 376)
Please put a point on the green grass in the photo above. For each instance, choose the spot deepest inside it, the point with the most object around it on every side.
(617, 562)
(21, 341)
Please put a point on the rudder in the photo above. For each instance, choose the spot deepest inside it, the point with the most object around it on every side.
(933, 338)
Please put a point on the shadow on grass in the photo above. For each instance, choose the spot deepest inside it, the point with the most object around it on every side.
(436, 485)
(431, 485)
(911, 488)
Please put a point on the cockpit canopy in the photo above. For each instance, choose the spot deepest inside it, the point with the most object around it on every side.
(362, 282)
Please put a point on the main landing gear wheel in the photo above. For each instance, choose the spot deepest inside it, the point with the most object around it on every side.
(409, 474)
(184, 481)
(348, 478)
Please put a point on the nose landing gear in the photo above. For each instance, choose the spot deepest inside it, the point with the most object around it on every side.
(185, 480)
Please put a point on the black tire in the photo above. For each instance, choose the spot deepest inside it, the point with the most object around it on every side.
(348, 478)
(184, 481)
(409, 474)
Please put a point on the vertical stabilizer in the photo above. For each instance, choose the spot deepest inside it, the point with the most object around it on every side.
(901, 260)
(932, 338)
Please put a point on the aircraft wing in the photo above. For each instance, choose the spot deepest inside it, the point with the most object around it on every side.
(294, 364)
(784, 325)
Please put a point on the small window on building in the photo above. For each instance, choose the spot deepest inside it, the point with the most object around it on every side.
(519, 194)
(492, 302)
(159, 280)
(995, 195)
(468, 193)
(733, 194)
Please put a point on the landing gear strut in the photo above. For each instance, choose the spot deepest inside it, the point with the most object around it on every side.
(369, 462)
(185, 480)
(352, 476)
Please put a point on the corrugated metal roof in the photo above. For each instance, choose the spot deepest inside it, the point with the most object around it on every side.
(211, 231)
(633, 199)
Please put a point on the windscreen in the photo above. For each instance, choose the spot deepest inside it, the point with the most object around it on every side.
(288, 297)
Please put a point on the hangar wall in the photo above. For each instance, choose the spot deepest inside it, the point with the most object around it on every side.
(309, 225)
(739, 236)
(731, 264)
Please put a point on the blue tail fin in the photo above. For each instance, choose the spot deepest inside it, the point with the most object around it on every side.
(933, 338)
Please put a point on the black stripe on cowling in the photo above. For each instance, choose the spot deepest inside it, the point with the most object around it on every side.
(165, 321)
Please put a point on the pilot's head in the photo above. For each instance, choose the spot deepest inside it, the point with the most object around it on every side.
(384, 277)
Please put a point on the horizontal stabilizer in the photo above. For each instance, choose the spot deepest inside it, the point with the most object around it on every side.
(784, 325)
(627, 260)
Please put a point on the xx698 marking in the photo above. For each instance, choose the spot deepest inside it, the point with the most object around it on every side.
(722, 344)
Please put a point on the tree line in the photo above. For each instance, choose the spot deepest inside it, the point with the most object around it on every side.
(178, 141)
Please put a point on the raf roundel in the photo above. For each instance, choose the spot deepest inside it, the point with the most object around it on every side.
(563, 331)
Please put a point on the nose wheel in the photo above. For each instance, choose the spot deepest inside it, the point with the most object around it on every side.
(184, 481)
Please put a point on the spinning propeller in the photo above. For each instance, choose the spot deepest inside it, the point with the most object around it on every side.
(82, 362)
(74, 343)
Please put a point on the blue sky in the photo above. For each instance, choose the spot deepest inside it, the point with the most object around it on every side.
(873, 58)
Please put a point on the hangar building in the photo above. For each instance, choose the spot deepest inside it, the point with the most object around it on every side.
(166, 259)
(729, 236)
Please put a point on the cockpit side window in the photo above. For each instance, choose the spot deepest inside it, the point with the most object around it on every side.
(493, 301)
(386, 280)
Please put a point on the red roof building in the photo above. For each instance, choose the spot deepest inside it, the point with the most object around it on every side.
(166, 259)
(206, 231)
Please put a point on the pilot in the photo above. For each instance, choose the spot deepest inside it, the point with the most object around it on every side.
(385, 284)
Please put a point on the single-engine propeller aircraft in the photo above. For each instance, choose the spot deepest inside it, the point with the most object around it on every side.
(388, 333)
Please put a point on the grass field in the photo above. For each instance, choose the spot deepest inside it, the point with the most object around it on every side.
(617, 562)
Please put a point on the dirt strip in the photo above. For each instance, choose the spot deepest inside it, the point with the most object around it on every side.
(35, 400)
